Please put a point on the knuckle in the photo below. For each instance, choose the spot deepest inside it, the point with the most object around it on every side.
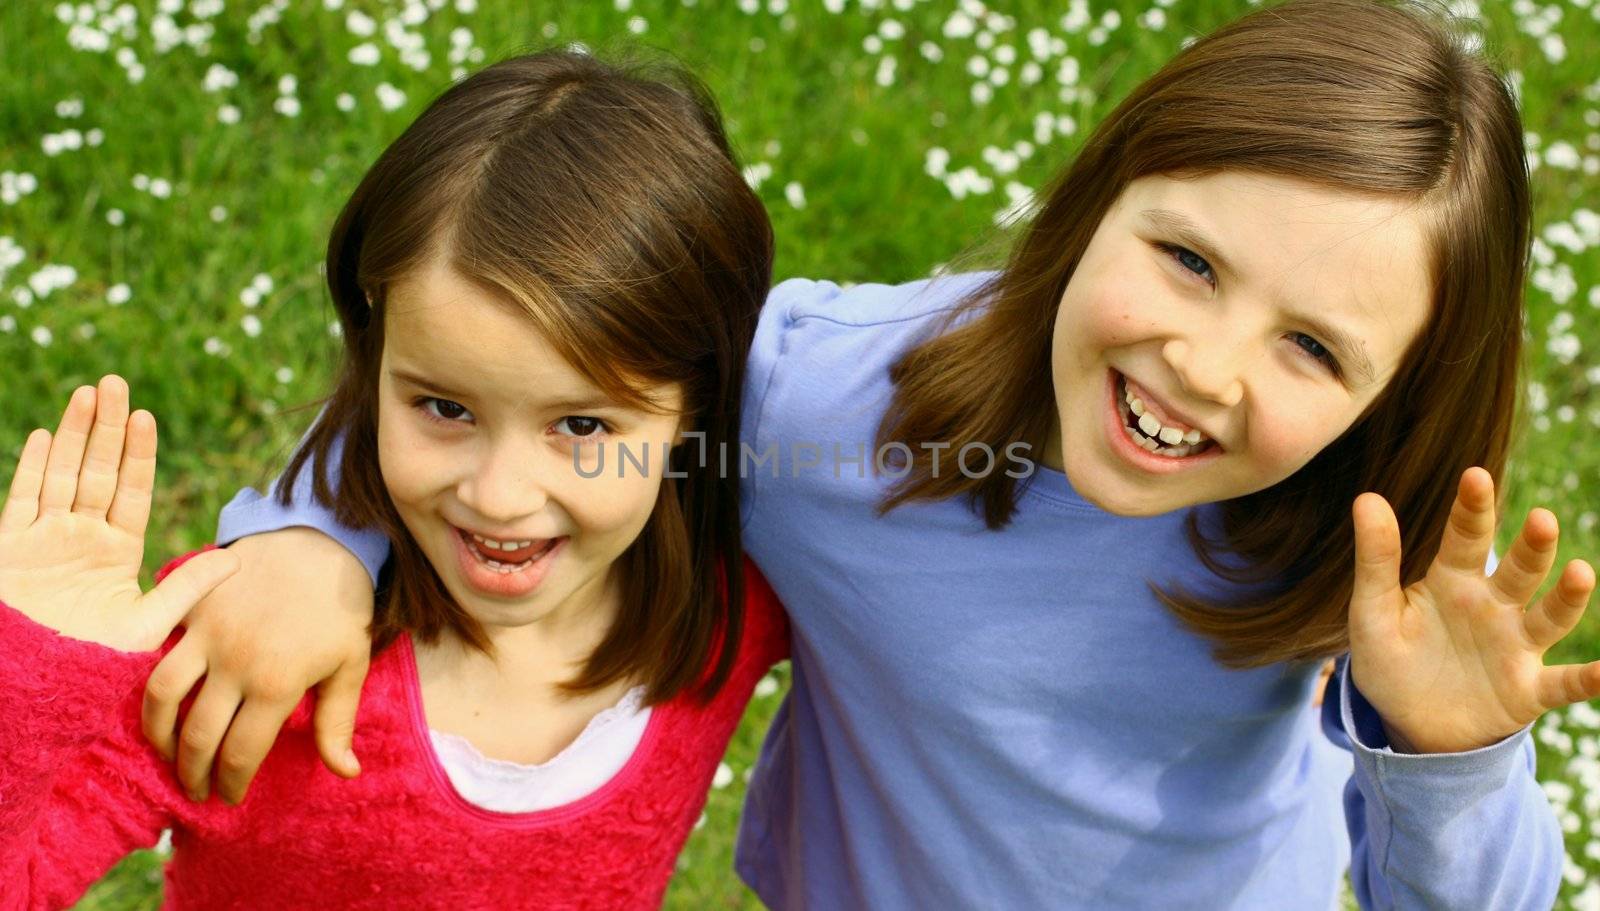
(198, 739)
(274, 688)
(235, 764)
(239, 655)
(164, 688)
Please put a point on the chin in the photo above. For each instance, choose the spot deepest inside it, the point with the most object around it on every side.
(1117, 496)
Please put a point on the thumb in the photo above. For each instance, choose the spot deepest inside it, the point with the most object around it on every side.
(1377, 572)
(338, 697)
(174, 596)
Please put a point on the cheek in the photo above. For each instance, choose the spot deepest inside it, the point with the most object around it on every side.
(610, 508)
(406, 459)
(1284, 439)
(1102, 311)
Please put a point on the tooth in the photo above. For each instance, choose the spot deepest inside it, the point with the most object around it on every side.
(1172, 436)
(1149, 424)
(1192, 437)
(1149, 444)
(1136, 405)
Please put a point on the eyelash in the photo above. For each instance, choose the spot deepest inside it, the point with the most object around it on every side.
(422, 403)
(1175, 252)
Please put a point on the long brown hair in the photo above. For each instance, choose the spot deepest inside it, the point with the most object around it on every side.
(1366, 96)
(603, 200)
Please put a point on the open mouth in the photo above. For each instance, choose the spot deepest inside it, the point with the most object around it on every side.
(1145, 430)
(501, 560)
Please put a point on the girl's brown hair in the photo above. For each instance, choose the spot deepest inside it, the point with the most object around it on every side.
(605, 202)
(1364, 96)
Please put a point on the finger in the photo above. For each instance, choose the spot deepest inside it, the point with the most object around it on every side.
(1559, 611)
(1519, 575)
(165, 691)
(97, 482)
(249, 739)
(203, 730)
(1470, 532)
(170, 601)
(1566, 684)
(338, 697)
(130, 510)
(66, 453)
(22, 501)
(1377, 581)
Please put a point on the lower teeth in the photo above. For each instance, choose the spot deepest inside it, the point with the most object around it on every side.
(506, 568)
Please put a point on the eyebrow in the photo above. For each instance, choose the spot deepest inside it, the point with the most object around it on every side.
(1189, 234)
(570, 403)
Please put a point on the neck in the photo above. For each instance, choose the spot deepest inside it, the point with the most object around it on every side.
(553, 647)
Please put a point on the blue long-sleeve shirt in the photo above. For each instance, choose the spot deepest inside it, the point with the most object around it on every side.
(1010, 719)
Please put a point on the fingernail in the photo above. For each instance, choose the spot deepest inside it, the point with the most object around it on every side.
(351, 762)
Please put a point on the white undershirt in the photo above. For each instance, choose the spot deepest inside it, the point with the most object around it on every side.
(600, 751)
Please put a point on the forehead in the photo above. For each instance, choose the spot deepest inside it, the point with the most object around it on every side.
(464, 338)
(1357, 261)
(435, 318)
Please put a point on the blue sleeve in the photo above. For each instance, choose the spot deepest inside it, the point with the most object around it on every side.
(252, 513)
(1448, 830)
(755, 434)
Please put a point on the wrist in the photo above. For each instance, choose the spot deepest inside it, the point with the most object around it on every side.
(299, 554)
(1398, 741)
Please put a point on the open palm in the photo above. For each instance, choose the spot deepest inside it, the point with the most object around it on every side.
(72, 528)
(1455, 661)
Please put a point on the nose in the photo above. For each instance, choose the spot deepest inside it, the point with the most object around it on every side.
(1210, 374)
(508, 484)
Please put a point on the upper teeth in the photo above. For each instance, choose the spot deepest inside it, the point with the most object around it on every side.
(1151, 426)
(501, 545)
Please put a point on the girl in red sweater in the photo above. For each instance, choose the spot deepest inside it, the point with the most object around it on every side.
(547, 287)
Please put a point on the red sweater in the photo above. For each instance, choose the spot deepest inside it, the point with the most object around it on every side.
(80, 788)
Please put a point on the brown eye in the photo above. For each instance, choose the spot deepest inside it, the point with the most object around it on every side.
(581, 426)
(442, 410)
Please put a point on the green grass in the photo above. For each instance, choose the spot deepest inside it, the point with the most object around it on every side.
(800, 92)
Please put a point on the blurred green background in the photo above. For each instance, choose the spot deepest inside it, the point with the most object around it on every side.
(169, 171)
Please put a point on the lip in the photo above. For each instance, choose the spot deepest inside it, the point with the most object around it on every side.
(1139, 457)
(486, 581)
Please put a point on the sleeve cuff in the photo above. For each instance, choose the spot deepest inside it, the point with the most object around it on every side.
(250, 513)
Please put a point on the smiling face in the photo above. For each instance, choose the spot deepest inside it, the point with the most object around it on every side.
(1264, 312)
(483, 428)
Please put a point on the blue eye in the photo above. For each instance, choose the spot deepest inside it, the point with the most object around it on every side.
(447, 411)
(1317, 351)
(1190, 261)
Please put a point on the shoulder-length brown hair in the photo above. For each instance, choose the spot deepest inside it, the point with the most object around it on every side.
(1367, 96)
(604, 200)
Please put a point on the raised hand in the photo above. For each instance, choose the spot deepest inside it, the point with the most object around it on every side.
(72, 529)
(1455, 661)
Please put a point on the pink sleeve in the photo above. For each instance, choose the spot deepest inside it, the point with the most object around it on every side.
(79, 787)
